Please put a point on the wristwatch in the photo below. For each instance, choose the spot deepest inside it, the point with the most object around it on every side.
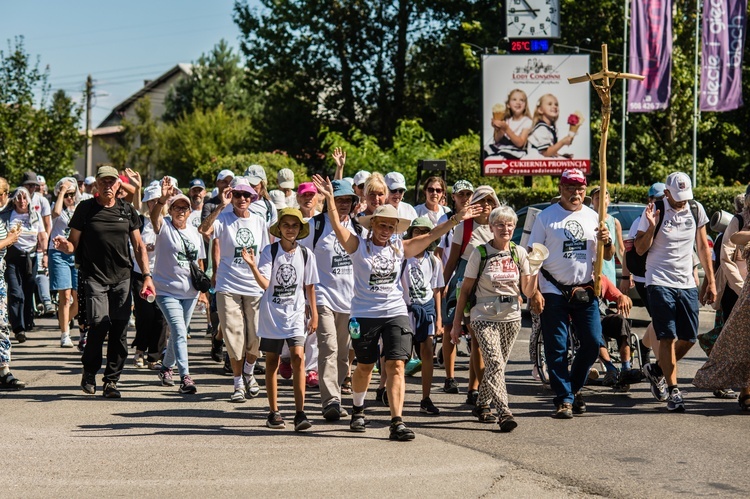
(147, 274)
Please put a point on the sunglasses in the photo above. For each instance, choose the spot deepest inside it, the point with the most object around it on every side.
(434, 190)
(398, 191)
(70, 195)
(181, 208)
(241, 194)
(361, 186)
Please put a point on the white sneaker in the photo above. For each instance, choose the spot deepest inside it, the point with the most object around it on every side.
(65, 341)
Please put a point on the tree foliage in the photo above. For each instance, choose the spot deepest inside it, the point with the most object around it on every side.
(217, 79)
(271, 163)
(36, 133)
(137, 146)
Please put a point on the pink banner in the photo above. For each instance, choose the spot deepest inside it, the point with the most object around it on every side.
(724, 24)
(650, 55)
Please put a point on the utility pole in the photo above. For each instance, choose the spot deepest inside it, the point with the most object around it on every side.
(89, 134)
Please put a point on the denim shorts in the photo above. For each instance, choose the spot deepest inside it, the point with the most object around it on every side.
(675, 312)
(63, 273)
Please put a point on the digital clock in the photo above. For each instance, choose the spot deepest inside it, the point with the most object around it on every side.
(529, 46)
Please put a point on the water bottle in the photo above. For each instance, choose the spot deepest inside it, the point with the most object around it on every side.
(354, 330)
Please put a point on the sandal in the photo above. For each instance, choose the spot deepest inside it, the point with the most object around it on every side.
(10, 382)
(744, 404)
(346, 386)
(725, 393)
(483, 414)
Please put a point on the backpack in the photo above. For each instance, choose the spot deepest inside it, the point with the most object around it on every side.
(433, 265)
(637, 263)
(472, 301)
(275, 251)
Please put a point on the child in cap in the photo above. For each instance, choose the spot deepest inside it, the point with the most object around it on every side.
(287, 272)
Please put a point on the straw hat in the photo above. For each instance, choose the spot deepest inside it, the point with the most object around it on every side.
(386, 211)
(304, 229)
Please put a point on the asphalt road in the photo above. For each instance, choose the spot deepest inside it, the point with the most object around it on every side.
(60, 442)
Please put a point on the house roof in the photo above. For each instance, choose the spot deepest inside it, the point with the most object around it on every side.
(113, 117)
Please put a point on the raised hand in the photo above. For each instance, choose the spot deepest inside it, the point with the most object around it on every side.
(339, 156)
(166, 188)
(469, 211)
(324, 186)
(134, 177)
(226, 195)
(652, 214)
(249, 257)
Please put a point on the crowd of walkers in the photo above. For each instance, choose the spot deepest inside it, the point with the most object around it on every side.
(342, 278)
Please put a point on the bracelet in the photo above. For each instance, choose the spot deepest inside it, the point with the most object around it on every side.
(608, 244)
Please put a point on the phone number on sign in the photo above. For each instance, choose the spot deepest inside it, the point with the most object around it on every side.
(498, 167)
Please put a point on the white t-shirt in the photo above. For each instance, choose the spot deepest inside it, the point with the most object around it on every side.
(261, 207)
(28, 237)
(377, 287)
(419, 277)
(434, 216)
(570, 238)
(480, 234)
(233, 275)
(446, 240)
(500, 277)
(194, 219)
(40, 204)
(335, 272)
(282, 307)
(148, 236)
(670, 261)
(171, 272)
(59, 227)
(631, 235)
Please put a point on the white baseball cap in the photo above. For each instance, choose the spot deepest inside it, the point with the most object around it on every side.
(255, 173)
(395, 180)
(679, 186)
(89, 180)
(285, 178)
(224, 174)
(361, 177)
(278, 198)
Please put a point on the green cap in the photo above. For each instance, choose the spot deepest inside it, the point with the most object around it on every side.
(107, 171)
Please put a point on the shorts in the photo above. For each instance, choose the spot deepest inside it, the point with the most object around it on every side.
(63, 273)
(271, 345)
(616, 327)
(238, 315)
(395, 332)
(678, 312)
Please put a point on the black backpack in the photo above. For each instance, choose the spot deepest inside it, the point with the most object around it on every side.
(637, 263)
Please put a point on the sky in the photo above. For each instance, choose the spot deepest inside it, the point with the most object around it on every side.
(120, 44)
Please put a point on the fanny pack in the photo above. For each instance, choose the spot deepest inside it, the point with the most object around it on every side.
(574, 293)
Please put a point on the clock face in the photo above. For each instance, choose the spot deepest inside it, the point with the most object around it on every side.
(532, 18)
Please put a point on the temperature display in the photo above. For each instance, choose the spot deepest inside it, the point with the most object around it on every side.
(529, 46)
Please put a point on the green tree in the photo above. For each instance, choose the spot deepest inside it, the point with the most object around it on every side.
(194, 139)
(271, 163)
(35, 133)
(217, 79)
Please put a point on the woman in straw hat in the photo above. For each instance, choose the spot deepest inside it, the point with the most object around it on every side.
(378, 310)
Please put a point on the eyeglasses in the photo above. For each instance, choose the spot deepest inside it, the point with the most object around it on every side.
(242, 194)
(70, 195)
(398, 191)
(434, 190)
(181, 209)
(504, 225)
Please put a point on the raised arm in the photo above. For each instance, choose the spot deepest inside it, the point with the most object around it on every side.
(416, 245)
(348, 241)
(252, 261)
(207, 225)
(135, 181)
(644, 240)
(156, 212)
(60, 201)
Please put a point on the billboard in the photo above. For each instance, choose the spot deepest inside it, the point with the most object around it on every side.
(533, 121)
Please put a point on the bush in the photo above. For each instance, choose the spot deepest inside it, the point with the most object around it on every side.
(271, 162)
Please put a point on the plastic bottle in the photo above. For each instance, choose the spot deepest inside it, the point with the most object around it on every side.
(354, 330)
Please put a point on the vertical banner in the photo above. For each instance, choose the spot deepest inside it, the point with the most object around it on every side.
(533, 121)
(724, 24)
(650, 55)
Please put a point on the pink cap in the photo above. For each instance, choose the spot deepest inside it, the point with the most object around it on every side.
(306, 187)
(573, 176)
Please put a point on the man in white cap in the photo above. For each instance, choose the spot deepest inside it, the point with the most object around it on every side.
(285, 179)
(569, 229)
(667, 231)
(89, 185)
(396, 185)
(358, 184)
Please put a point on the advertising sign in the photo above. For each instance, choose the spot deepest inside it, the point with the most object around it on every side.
(533, 121)
(650, 55)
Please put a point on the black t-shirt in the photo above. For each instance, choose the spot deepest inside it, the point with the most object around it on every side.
(209, 206)
(103, 251)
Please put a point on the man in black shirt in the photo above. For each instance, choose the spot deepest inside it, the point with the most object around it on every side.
(100, 230)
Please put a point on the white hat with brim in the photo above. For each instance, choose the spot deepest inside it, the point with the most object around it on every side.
(385, 211)
(482, 192)
(178, 197)
(679, 186)
(150, 193)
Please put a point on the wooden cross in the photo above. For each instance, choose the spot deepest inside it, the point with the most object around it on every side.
(603, 81)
